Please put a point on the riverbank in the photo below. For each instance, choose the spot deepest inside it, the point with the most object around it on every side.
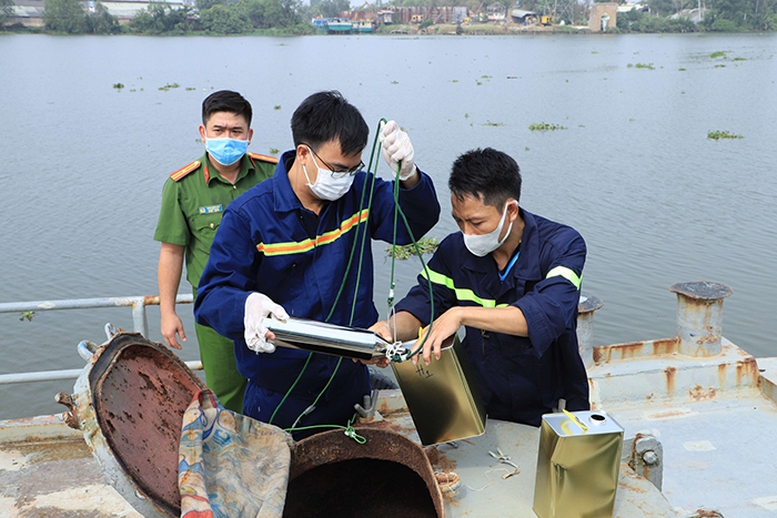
(479, 29)
(482, 29)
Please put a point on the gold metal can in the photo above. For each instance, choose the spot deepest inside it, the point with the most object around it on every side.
(577, 465)
(442, 397)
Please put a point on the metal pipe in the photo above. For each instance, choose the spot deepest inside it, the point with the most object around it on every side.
(28, 377)
(100, 302)
(585, 327)
(86, 348)
(700, 316)
(65, 374)
(139, 318)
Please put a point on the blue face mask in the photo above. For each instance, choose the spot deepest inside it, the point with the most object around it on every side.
(226, 151)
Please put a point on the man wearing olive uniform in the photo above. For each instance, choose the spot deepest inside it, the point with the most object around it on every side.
(193, 201)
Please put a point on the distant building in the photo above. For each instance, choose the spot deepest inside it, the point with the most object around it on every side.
(459, 15)
(603, 16)
(29, 13)
(524, 17)
(416, 14)
(386, 16)
(496, 12)
(695, 15)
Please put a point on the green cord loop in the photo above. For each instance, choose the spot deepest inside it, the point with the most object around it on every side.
(349, 430)
(399, 212)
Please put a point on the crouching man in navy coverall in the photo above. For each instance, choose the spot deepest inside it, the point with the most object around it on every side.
(512, 278)
(283, 249)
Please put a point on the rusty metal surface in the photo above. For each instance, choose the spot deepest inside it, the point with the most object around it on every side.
(615, 352)
(139, 392)
(128, 403)
(701, 290)
(767, 379)
(589, 304)
(700, 317)
(671, 378)
(388, 476)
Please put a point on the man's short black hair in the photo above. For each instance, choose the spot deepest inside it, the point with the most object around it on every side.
(226, 101)
(488, 173)
(327, 116)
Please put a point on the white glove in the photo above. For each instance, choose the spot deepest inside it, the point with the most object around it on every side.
(397, 148)
(258, 306)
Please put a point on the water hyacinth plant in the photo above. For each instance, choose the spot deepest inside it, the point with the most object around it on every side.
(544, 126)
(717, 135)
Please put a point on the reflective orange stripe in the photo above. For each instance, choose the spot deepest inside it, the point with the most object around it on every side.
(270, 249)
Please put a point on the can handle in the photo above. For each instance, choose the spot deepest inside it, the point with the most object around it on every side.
(572, 417)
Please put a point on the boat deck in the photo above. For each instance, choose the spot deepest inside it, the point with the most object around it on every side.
(715, 419)
(717, 454)
(46, 469)
(53, 473)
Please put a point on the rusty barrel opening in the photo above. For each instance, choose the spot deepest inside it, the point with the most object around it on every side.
(387, 477)
(140, 392)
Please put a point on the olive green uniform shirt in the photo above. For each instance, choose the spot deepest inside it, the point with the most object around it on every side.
(193, 201)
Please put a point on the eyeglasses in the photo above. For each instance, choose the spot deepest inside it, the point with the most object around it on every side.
(337, 174)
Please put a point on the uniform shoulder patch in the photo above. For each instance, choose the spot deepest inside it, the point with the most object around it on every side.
(182, 172)
(264, 158)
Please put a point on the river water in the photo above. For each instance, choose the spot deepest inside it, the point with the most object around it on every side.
(657, 201)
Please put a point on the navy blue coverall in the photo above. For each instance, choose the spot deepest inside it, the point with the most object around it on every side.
(520, 378)
(269, 243)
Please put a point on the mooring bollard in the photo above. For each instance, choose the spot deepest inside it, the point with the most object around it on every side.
(700, 316)
(585, 327)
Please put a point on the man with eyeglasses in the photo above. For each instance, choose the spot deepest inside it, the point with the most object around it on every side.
(285, 248)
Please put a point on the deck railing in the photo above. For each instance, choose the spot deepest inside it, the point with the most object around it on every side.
(139, 321)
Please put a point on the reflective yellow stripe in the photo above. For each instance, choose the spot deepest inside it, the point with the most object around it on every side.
(270, 249)
(462, 294)
(563, 271)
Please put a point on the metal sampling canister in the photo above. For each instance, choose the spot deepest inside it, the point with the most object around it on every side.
(577, 465)
(320, 337)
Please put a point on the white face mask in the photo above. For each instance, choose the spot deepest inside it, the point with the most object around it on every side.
(482, 245)
(327, 186)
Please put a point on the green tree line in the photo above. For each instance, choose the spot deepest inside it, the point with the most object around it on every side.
(293, 16)
(719, 15)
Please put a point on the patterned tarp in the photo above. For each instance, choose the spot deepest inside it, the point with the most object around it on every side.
(231, 465)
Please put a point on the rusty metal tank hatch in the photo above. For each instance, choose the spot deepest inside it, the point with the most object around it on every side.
(129, 402)
(387, 477)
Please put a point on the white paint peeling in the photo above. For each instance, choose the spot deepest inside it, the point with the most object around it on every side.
(95, 496)
(668, 413)
(699, 446)
(12, 460)
(767, 502)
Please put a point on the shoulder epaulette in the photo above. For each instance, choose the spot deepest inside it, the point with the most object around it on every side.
(264, 158)
(182, 172)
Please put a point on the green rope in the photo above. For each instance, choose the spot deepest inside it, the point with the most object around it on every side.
(365, 235)
(299, 376)
(392, 284)
(366, 227)
(398, 211)
(350, 431)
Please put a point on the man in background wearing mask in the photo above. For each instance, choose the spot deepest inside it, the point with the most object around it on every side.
(284, 248)
(512, 278)
(193, 201)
